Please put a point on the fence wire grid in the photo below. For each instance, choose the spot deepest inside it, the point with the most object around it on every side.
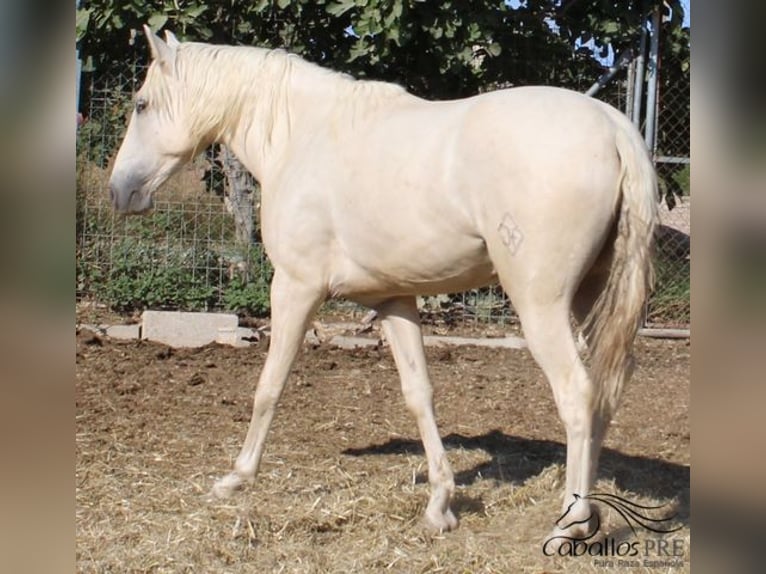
(186, 254)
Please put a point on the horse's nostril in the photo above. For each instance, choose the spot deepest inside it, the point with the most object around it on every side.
(134, 200)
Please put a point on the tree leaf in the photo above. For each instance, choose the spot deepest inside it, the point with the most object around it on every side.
(362, 26)
(196, 11)
(358, 50)
(340, 8)
(81, 22)
(474, 32)
(393, 35)
(397, 9)
(157, 21)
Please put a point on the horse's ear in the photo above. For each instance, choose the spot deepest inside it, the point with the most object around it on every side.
(171, 39)
(161, 52)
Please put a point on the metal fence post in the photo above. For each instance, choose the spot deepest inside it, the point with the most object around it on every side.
(630, 88)
(640, 65)
(651, 86)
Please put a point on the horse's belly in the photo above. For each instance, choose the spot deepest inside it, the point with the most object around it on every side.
(407, 269)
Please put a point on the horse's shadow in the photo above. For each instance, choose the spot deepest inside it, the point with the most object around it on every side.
(516, 459)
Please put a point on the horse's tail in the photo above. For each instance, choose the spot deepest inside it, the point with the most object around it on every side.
(616, 316)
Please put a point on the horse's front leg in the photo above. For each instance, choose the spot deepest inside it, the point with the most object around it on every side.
(293, 304)
(401, 325)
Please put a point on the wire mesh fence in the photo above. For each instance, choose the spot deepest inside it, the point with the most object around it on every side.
(186, 254)
(189, 253)
(670, 303)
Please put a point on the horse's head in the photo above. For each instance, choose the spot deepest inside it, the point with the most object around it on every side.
(158, 141)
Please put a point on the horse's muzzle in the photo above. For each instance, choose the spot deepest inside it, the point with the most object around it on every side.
(129, 201)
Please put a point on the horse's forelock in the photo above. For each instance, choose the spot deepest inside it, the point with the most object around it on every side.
(156, 88)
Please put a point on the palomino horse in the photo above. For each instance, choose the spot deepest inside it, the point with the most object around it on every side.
(375, 195)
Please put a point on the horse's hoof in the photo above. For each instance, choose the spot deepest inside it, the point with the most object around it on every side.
(439, 522)
(226, 486)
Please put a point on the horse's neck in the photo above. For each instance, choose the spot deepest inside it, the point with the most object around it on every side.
(291, 99)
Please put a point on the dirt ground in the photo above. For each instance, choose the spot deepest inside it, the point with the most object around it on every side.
(342, 486)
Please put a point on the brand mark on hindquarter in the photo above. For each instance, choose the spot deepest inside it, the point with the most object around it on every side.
(510, 234)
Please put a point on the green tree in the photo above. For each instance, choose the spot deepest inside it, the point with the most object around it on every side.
(435, 49)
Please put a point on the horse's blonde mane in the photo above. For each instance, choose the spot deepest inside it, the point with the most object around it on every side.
(222, 83)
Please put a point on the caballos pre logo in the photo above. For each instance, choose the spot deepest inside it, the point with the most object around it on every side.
(607, 551)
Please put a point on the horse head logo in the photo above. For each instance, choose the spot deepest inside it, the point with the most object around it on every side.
(584, 518)
(573, 517)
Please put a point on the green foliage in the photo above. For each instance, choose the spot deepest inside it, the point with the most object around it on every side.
(248, 293)
(135, 274)
(245, 298)
(674, 182)
(435, 49)
(99, 137)
(674, 120)
(486, 304)
(670, 301)
(148, 275)
(165, 261)
(607, 22)
(110, 31)
(682, 179)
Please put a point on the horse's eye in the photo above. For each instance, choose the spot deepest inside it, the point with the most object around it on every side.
(141, 104)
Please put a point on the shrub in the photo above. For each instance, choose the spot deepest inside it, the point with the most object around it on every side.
(247, 293)
(147, 275)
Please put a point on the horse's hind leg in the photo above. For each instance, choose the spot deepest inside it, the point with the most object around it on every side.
(552, 344)
(588, 292)
(293, 303)
(542, 293)
(591, 287)
(401, 325)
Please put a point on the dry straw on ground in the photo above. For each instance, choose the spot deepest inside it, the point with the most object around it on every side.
(342, 486)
